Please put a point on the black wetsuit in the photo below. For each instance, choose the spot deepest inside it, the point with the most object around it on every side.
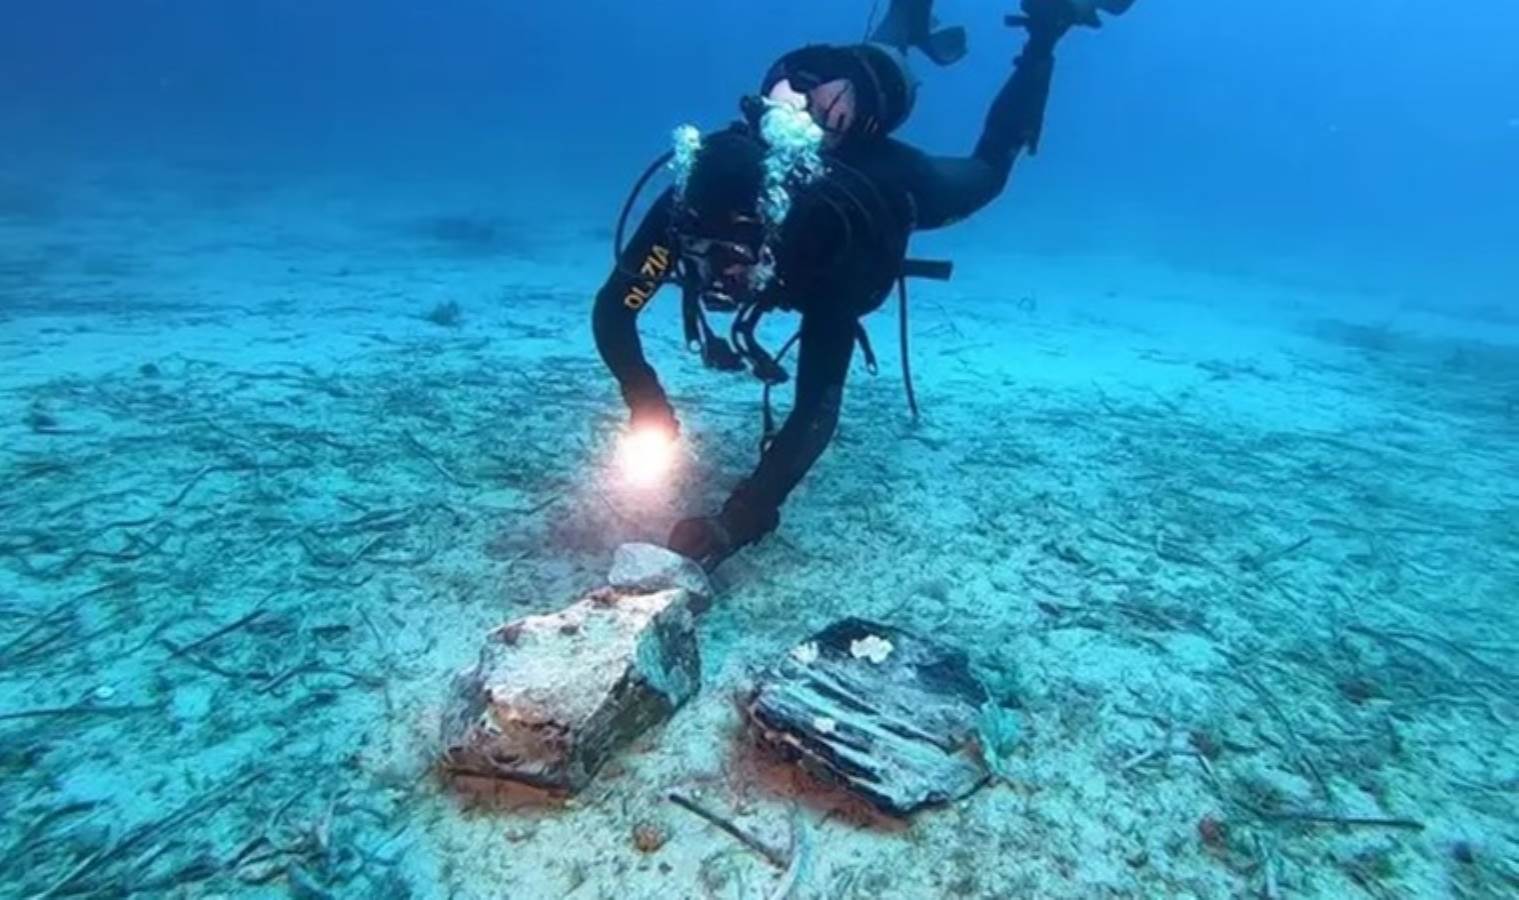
(834, 268)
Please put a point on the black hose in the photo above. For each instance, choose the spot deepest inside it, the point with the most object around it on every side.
(627, 206)
(912, 398)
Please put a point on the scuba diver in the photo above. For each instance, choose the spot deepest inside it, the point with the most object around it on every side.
(807, 205)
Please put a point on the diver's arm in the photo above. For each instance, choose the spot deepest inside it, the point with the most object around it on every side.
(647, 258)
(946, 190)
(827, 345)
(753, 510)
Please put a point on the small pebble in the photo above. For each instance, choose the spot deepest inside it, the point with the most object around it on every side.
(648, 837)
(104, 692)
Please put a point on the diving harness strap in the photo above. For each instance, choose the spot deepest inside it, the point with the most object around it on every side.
(743, 350)
(742, 347)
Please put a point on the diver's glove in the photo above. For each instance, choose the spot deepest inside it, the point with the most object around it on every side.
(650, 408)
(710, 540)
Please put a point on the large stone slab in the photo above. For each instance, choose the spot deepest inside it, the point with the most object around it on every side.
(553, 696)
(883, 713)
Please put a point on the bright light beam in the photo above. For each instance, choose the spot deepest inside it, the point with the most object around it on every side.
(645, 456)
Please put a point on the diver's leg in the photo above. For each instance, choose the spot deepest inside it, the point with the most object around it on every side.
(1016, 117)
(948, 189)
(944, 189)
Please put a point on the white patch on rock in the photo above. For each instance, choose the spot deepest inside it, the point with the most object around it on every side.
(806, 654)
(825, 724)
(872, 647)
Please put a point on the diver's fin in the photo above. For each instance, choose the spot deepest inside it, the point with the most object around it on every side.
(945, 46)
(1111, 7)
(1067, 12)
(910, 23)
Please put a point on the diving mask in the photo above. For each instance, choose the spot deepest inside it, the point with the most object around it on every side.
(726, 267)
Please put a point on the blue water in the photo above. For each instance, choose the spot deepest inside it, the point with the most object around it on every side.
(1218, 474)
(1369, 138)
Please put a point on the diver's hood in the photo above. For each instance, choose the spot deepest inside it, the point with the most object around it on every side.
(884, 89)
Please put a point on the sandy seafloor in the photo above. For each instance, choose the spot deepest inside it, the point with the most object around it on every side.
(1248, 553)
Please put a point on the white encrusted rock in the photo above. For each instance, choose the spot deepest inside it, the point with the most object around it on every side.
(553, 696)
(643, 568)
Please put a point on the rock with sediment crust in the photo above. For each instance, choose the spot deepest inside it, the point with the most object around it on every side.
(885, 714)
(643, 568)
(554, 696)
